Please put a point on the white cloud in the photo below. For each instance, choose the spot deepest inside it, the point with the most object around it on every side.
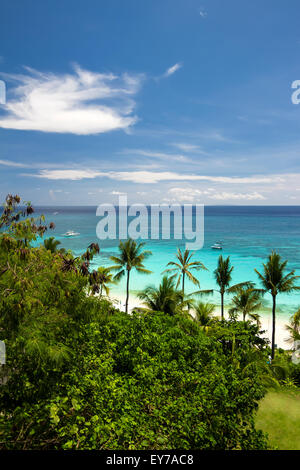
(117, 193)
(187, 147)
(13, 164)
(151, 177)
(72, 175)
(80, 103)
(203, 13)
(186, 194)
(173, 69)
(159, 155)
(192, 194)
(225, 196)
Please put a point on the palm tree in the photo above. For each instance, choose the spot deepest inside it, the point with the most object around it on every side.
(204, 313)
(275, 281)
(103, 278)
(131, 257)
(165, 298)
(255, 317)
(184, 267)
(247, 301)
(223, 278)
(51, 244)
(294, 328)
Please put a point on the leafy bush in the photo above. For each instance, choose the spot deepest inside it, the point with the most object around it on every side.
(137, 382)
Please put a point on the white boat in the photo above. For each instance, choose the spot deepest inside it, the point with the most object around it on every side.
(70, 233)
(217, 246)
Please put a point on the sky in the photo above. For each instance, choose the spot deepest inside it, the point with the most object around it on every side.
(167, 101)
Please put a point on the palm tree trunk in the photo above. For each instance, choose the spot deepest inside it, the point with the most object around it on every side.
(183, 283)
(273, 326)
(101, 290)
(222, 305)
(127, 291)
(244, 316)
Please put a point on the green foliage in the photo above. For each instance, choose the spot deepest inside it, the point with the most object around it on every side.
(223, 273)
(294, 327)
(51, 244)
(100, 280)
(204, 313)
(246, 301)
(223, 277)
(131, 257)
(275, 281)
(139, 382)
(166, 298)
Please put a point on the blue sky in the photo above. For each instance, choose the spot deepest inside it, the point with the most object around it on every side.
(164, 100)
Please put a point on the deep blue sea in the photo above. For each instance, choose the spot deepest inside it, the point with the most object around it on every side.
(248, 234)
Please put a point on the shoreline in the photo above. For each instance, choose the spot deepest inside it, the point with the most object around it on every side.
(119, 299)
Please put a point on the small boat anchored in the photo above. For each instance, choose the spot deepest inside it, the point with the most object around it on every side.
(217, 246)
(70, 233)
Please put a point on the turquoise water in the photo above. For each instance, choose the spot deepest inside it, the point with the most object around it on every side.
(248, 235)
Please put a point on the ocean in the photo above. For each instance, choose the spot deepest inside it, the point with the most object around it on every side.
(248, 235)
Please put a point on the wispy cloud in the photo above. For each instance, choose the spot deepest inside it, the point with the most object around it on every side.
(194, 194)
(230, 196)
(83, 102)
(204, 134)
(203, 13)
(158, 155)
(73, 175)
(186, 147)
(173, 69)
(13, 164)
(186, 194)
(151, 177)
(189, 148)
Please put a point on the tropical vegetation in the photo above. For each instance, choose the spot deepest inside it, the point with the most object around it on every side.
(80, 374)
(223, 277)
(293, 327)
(131, 257)
(246, 302)
(166, 298)
(275, 280)
(183, 268)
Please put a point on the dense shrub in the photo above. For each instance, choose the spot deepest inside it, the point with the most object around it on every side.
(138, 382)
